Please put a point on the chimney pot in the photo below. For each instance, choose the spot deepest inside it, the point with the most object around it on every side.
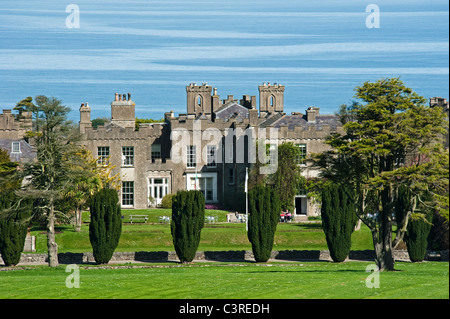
(116, 98)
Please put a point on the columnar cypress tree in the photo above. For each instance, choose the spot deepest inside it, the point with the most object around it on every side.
(106, 224)
(188, 218)
(338, 220)
(264, 210)
(416, 236)
(14, 223)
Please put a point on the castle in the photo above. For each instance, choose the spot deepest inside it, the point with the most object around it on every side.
(207, 148)
(215, 164)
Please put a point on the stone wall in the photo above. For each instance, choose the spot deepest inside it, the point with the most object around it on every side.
(231, 255)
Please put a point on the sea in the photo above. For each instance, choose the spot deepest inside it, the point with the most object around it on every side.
(85, 51)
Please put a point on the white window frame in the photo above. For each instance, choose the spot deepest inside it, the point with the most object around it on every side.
(158, 190)
(301, 159)
(193, 182)
(128, 156)
(211, 156)
(127, 195)
(103, 153)
(15, 147)
(191, 156)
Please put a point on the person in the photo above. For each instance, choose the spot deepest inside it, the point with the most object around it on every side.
(282, 217)
(237, 216)
(288, 216)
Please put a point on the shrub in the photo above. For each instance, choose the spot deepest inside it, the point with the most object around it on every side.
(166, 202)
(14, 221)
(188, 218)
(416, 236)
(106, 224)
(338, 220)
(264, 210)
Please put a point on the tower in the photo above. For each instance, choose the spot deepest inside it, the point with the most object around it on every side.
(198, 98)
(271, 98)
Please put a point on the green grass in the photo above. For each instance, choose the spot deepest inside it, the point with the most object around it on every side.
(155, 236)
(230, 281)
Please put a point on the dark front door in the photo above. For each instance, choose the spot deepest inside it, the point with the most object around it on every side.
(300, 205)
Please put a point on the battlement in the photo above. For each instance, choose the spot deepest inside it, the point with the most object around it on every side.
(113, 131)
(14, 126)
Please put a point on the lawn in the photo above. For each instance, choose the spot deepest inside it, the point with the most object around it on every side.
(318, 280)
(156, 236)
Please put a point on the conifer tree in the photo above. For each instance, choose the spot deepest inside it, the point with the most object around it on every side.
(264, 210)
(338, 220)
(15, 214)
(188, 218)
(416, 236)
(14, 220)
(105, 227)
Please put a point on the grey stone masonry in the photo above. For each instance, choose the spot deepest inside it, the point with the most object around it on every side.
(224, 256)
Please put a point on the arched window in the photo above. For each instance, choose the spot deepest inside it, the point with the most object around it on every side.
(272, 101)
(199, 101)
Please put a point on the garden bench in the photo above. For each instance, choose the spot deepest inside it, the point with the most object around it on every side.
(138, 217)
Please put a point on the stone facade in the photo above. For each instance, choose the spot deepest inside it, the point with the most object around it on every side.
(207, 148)
(13, 128)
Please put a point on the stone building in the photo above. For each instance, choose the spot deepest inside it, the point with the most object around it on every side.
(207, 148)
(13, 128)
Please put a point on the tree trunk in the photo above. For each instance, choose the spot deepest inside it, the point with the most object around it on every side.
(78, 219)
(51, 241)
(358, 225)
(383, 247)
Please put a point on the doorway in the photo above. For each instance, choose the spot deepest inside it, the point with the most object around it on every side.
(301, 205)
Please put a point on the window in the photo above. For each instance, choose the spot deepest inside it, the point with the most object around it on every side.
(199, 100)
(158, 188)
(205, 185)
(15, 147)
(272, 101)
(128, 193)
(229, 152)
(191, 156)
(103, 155)
(156, 151)
(127, 156)
(210, 156)
(231, 176)
(301, 158)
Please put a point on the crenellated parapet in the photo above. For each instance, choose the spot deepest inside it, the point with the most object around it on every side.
(14, 126)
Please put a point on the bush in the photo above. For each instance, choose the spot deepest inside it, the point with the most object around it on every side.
(264, 210)
(14, 221)
(188, 218)
(166, 202)
(106, 224)
(416, 236)
(338, 220)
